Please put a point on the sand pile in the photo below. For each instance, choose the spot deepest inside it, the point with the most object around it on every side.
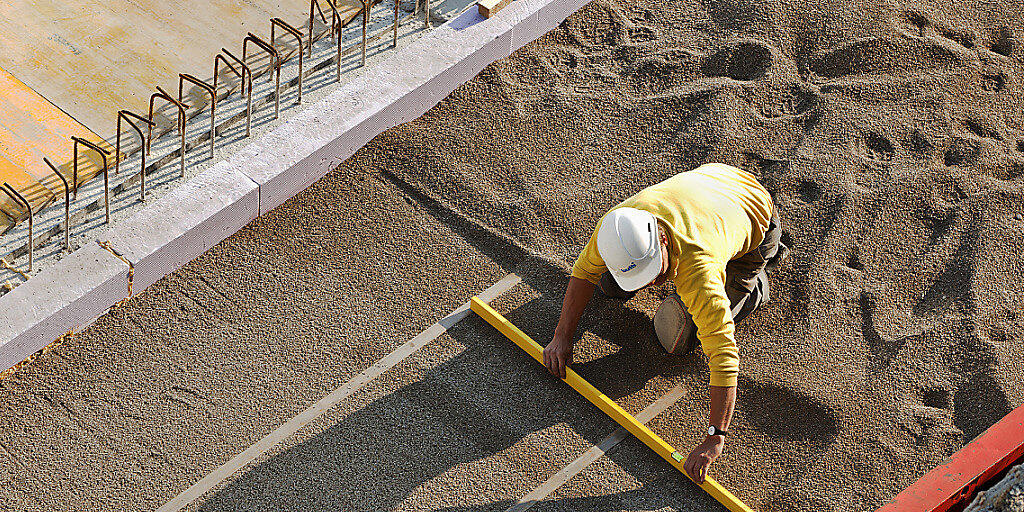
(891, 139)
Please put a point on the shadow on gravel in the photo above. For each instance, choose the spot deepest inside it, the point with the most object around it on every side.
(457, 428)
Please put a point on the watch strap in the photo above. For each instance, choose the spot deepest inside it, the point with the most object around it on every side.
(715, 431)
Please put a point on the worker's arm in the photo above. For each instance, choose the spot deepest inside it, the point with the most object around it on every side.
(558, 353)
(702, 288)
(723, 401)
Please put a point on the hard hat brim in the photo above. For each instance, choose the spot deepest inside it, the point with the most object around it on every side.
(640, 276)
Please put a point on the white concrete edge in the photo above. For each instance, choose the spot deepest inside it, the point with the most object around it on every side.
(201, 212)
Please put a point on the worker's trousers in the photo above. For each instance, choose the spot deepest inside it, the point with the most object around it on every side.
(746, 285)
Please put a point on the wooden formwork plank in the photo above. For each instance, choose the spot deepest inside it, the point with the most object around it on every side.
(32, 128)
(93, 58)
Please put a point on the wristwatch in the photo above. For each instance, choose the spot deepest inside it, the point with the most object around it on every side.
(715, 431)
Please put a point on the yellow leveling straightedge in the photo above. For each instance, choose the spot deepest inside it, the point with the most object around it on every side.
(606, 404)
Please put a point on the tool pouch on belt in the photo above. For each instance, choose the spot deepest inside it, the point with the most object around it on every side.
(674, 326)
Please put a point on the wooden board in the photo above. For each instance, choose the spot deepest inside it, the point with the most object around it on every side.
(93, 58)
(32, 128)
(488, 8)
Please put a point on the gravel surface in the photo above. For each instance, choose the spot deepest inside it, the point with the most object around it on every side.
(889, 137)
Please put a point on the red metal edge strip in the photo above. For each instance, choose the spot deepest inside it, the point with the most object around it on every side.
(952, 483)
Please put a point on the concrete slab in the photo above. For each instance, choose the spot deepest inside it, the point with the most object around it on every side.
(62, 298)
(185, 223)
(402, 88)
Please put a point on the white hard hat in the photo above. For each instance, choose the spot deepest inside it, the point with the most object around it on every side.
(629, 244)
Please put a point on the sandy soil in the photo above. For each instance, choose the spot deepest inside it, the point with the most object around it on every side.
(889, 136)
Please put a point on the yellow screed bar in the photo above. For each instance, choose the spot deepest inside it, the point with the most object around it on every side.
(607, 405)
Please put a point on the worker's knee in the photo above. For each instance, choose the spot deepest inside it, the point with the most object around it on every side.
(674, 327)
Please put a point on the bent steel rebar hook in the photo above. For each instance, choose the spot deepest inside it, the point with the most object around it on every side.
(246, 73)
(275, 22)
(67, 205)
(367, 4)
(107, 181)
(336, 29)
(334, 21)
(277, 65)
(160, 93)
(21, 201)
(182, 78)
(124, 114)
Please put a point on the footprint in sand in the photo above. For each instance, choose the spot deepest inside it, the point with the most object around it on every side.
(960, 151)
(993, 82)
(742, 61)
(937, 398)
(915, 24)
(790, 101)
(982, 129)
(892, 56)
(808, 192)
(1003, 43)
(881, 349)
(875, 149)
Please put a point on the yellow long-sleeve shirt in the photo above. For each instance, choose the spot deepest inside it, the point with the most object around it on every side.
(712, 214)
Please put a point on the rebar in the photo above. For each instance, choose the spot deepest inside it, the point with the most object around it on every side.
(277, 66)
(21, 201)
(182, 78)
(366, 18)
(312, 4)
(278, 22)
(106, 180)
(67, 205)
(181, 122)
(246, 72)
(124, 114)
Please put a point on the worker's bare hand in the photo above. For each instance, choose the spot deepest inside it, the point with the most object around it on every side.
(557, 355)
(702, 456)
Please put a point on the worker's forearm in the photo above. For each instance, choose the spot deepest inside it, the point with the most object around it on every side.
(577, 295)
(723, 401)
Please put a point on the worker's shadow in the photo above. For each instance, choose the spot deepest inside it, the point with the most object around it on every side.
(414, 445)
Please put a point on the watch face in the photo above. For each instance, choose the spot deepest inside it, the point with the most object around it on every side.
(711, 431)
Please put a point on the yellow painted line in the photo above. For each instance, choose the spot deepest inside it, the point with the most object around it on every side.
(607, 405)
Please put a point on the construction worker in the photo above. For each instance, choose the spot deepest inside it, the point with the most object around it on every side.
(711, 231)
